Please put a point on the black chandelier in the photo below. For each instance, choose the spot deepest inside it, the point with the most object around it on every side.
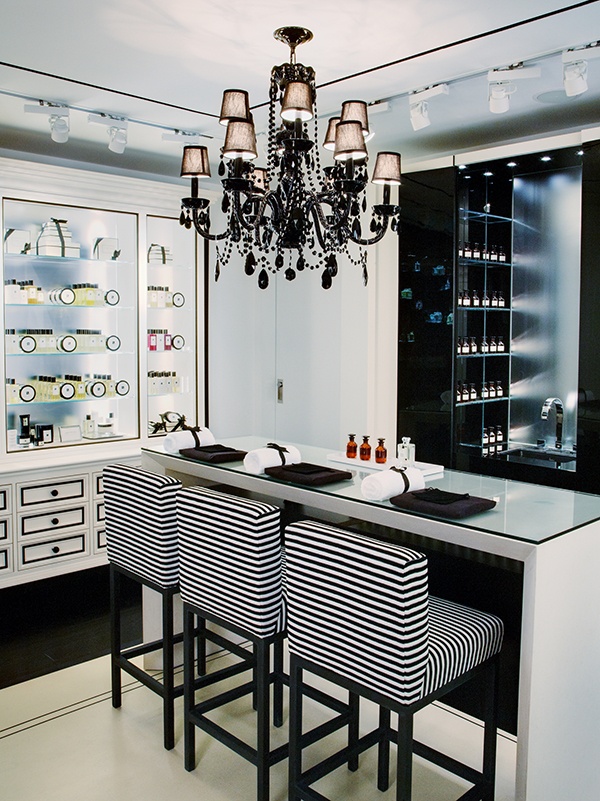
(312, 213)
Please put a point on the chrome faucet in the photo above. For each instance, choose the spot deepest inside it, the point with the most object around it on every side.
(548, 403)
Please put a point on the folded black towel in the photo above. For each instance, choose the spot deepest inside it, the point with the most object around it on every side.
(312, 475)
(439, 503)
(213, 453)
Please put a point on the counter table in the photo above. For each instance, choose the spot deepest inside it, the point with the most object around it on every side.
(553, 533)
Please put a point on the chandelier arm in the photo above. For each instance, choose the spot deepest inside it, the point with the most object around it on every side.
(318, 218)
(270, 199)
(373, 241)
(203, 232)
(237, 210)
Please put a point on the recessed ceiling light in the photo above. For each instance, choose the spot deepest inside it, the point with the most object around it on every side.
(554, 97)
(512, 164)
(488, 174)
(545, 158)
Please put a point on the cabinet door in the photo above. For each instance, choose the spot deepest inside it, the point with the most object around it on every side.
(171, 331)
(71, 319)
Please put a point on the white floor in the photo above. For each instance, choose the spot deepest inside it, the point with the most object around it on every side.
(60, 739)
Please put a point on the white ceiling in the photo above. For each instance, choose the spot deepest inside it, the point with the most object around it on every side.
(183, 54)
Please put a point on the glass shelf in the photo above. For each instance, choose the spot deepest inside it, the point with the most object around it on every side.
(23, 259)
(483, 308)
(480, 355)
(481, 401)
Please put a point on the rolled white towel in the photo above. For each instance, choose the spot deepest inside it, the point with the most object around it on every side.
(258, 460)
(387, 483)
(177, 440)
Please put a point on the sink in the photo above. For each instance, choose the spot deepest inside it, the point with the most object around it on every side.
(540, 455)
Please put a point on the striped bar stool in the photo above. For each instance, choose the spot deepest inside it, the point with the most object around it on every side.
(360, 615)
(230, 554)
(141, 541)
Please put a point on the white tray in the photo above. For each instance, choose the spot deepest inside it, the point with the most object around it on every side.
(426, 468)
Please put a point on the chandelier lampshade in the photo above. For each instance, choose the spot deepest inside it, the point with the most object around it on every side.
(292, 214)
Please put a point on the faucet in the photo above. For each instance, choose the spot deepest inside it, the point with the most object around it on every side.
(548, 403)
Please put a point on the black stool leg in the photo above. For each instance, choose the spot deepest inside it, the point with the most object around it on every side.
(115, 635)
(295, 726)
(168, 671)
(353, 727)
(278, 682)
(201, 646)
(189, 728)
(383, 751)
(405, 752)
(263, 719)
(491, 728)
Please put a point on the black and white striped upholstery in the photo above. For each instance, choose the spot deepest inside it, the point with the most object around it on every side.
(141, 522)
(361, 608)
(230, 559)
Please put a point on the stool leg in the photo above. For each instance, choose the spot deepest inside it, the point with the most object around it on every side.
(295, 726)
(383, 751)
(201, 646)
(491, 728)
(278, 682)
(168, 671)
(353, 726)
(405, 750)
(115, 635)
(189, 728)
(263, 722)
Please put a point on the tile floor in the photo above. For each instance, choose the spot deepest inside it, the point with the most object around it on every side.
(61, 740)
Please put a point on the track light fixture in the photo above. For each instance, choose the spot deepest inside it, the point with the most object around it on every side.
(116, 127)
(575, 78)
(58, 118)
(499, 96)
(419, 106)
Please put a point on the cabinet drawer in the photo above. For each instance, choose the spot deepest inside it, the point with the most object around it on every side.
(98, 482)
(52, 550)
(5, 529)
(4, 560)
(100, 540)
(67, 489)
(5, 499)
(57, 520)
(99, 512)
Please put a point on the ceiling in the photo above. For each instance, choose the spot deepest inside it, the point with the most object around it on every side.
(168, 63)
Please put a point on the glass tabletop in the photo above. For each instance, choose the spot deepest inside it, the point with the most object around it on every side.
(528, 512)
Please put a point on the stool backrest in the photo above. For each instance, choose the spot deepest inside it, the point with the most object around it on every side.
(141, 522)
(230, 558)
(359, 607)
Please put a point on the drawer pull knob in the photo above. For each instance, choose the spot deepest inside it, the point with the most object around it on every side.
(55, 549)
(54, 493)
(55, 521)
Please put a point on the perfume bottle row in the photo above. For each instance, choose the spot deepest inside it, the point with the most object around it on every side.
(45, 340)
(26, 293)
(467, 391)
(159, 340)
(493, 300)
(44, 388)
(466, 346)
(466, 250)
(492, 440)
(364, 450)
(161, 297)
(163, 382)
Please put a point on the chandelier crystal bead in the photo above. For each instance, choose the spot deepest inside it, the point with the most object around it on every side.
(293, 206)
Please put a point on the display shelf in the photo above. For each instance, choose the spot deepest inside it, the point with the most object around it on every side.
(79, 323)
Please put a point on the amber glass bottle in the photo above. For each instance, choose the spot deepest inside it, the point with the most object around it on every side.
(351, 447)
(365, 450)
(380, 452)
